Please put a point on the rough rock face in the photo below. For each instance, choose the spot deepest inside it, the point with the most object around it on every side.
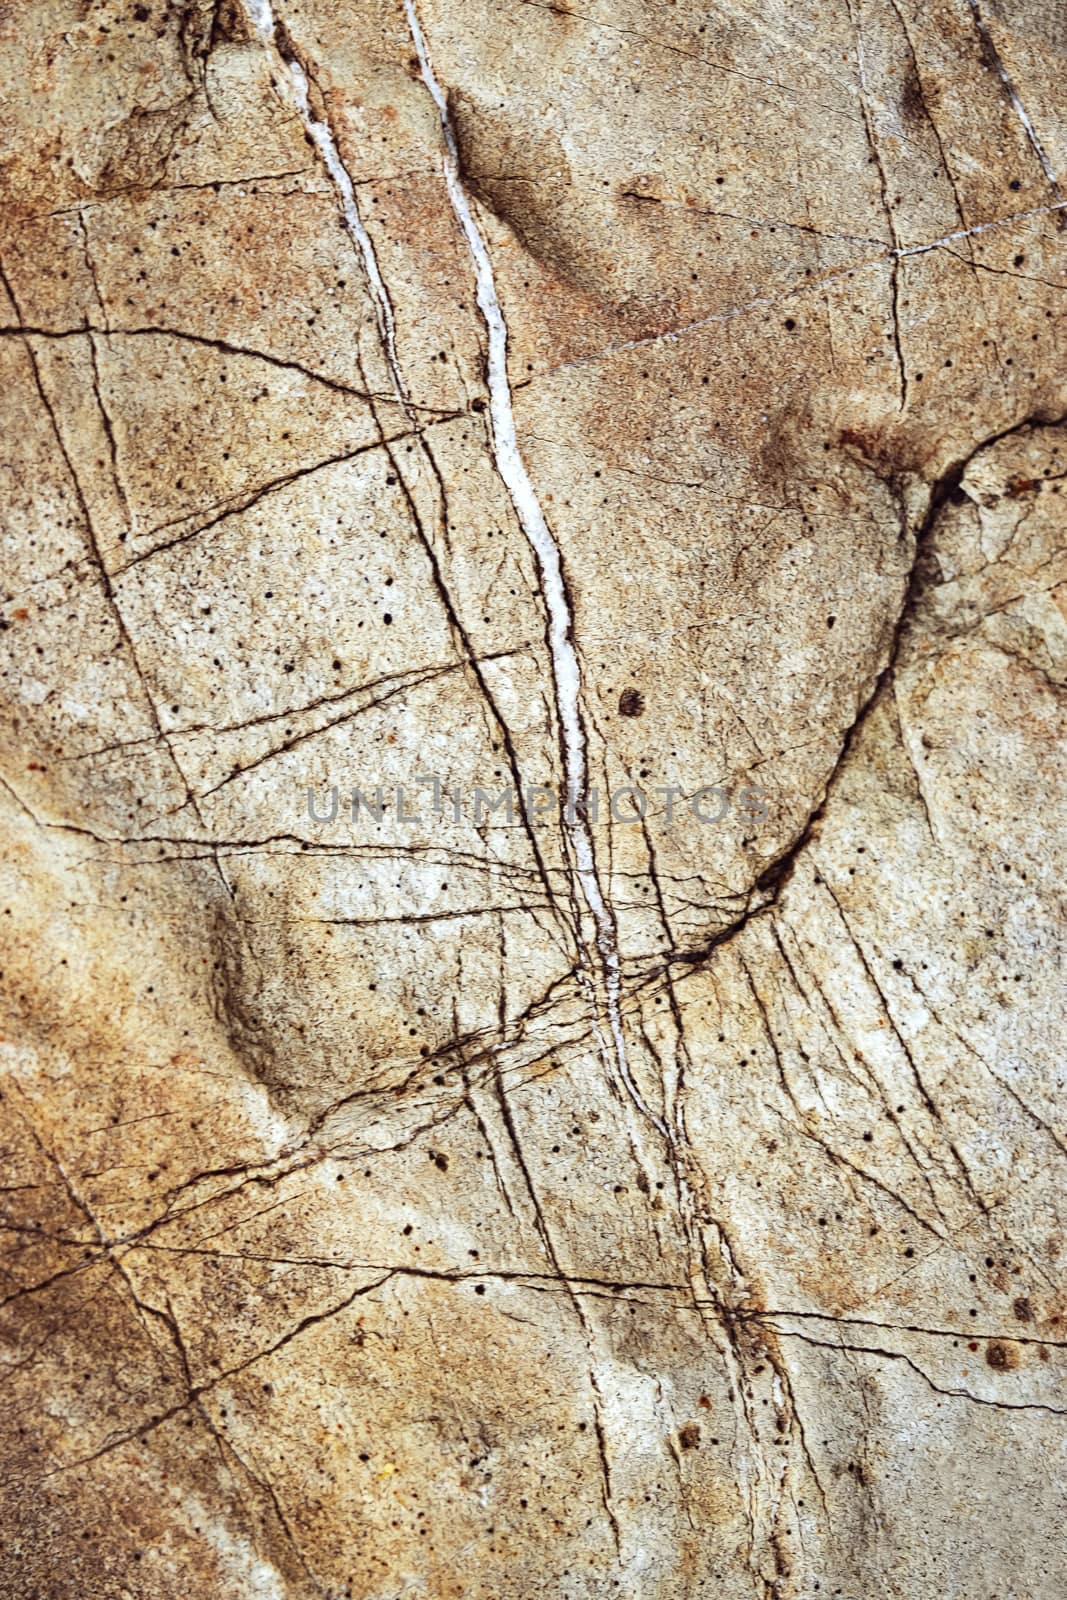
(644, 408)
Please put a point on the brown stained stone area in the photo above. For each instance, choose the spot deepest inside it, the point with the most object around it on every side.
(660, 1195)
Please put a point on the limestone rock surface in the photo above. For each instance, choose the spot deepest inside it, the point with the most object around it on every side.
(620, 1151)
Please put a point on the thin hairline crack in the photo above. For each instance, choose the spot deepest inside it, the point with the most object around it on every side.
(566, 671)
(513, 473)
(276, 37)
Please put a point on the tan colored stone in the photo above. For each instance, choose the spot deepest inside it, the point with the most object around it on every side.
(502, 1208)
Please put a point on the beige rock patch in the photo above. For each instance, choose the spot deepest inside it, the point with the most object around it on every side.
(659, 1195)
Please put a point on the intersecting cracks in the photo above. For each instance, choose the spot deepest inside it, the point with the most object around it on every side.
(106, 578)
(946, 166)
(925, 1095)
(471, 1099)
(656, 1292)
(197, 1390)
(718, 1286)
(302, 72)
(94, 545)
(392, 685)
(762, 903)
(98, 390)
(803, 1123)
(323, 135)
(226, 1447)
(402, 678)
(751, 1362)
(776, 885)
(804, 286)
(832, 1027)
(659, 42)
(718, 1289)
(599, 960)
(1003, 1083)
(587, 1327)
(194, 848)
(482, 1050)
(467, 653)
(227, 1450)
(775, 876)
(574, 1288)
(941, 492)
(473, 1058)
(227, 347)
(887, 207)
(237, 504)
(503, 875)
(105, 1246)
(837, 1032)
(240, 502)
(33, 1350)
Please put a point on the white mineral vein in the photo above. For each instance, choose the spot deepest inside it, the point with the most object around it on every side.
(566, 671)
(322, 135)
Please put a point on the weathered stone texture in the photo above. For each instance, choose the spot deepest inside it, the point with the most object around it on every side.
(566, 1206)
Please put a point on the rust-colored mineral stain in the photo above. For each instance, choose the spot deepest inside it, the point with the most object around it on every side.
(1002, 1357)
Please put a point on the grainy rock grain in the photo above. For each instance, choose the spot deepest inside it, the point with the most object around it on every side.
(660, 407)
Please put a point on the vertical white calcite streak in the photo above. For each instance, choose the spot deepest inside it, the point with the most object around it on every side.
(264, 21)
(1009, 89)
(262, 18)
(513, 473)
(516, 479)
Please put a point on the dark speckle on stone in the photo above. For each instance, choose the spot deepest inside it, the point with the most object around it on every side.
(1002, 1357)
